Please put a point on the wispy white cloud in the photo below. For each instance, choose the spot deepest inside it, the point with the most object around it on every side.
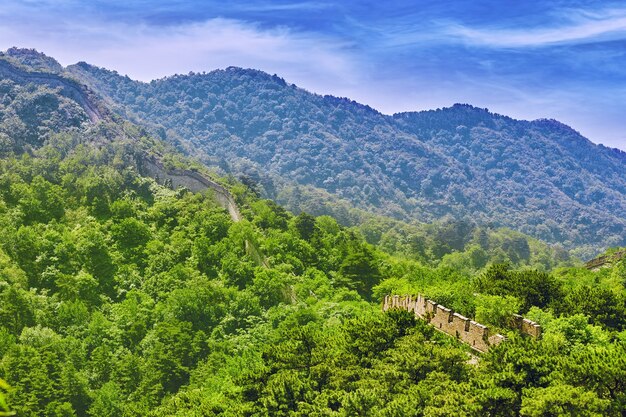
(416, 58)
(313, 60)
(297, 6)
(560, 27)
(570, 27)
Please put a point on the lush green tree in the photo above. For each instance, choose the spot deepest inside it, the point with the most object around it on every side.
(108, 401)
(359, 271)
(125, 297)
(17, 309)
(496, 310)
(4, 408)
(532, 287)
(603, 306)
(563, 400)
(601, 369)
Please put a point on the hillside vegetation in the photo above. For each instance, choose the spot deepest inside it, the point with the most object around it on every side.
(541, 178)
(123, 297)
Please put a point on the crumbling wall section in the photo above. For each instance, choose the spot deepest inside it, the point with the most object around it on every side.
(605, 261)
(525, 326)
(195, 182)
(191, 180)
(68, 87)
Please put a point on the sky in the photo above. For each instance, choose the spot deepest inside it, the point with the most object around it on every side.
(528, 59)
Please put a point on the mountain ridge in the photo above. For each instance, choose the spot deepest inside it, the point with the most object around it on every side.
(346, 100)
(38, 57)
(539, 177)
(68, 87)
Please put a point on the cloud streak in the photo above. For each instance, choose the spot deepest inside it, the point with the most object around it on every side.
(585, 27)
(145, 51)
(273, 7)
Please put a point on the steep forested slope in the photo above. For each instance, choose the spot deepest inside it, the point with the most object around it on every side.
(539, 177)
(40, 100)
(122, 297)
(30, 114)
(543, 172)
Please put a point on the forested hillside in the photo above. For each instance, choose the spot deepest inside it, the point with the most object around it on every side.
(31, 113)
(120, 296)
(540, 177)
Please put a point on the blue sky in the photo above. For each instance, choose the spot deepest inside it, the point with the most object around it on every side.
(526, 59)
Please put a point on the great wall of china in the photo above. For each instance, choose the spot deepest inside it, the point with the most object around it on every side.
(191, 180)
(468, 331)
(195, 182)
(67, 87)
(149, 165)
(474, 334)
(605, 261)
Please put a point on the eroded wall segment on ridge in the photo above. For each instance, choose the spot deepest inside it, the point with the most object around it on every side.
(605, 261)
(196, 183)
(68, 88)
(193, 181)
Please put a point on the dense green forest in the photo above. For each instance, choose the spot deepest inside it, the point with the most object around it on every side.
(123, 297)
(29, 114)
(120, 296)
(541, 178)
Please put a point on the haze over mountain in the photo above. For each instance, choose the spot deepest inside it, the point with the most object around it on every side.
(540, 177)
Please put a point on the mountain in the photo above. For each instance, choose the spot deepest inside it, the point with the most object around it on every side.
(539, 177)
(40, 102)
(323, 154)
(122, 295)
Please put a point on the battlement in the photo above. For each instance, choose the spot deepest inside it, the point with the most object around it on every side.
(605, 261)
(525, 326)
(447, 321)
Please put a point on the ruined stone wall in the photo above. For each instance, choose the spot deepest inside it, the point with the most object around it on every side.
(195, 182)
(68, 87)
(605, 261)
(191, 180)
(445, 320)
(525, 326)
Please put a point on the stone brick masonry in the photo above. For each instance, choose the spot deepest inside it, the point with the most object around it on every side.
(445, 320)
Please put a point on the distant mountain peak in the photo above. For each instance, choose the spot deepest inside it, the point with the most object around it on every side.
(456, 108)
(449, 118)
(84, 65)
(555, 125)
(466, 106)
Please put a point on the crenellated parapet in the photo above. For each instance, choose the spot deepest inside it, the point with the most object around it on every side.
(525, 326)
(447, 321)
